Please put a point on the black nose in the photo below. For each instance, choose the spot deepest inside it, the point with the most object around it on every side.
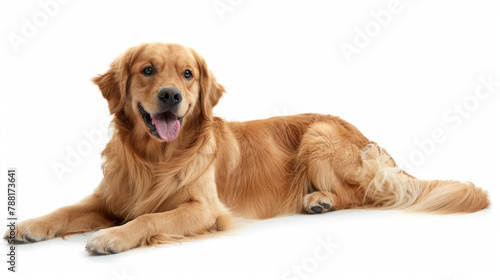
(170, 96)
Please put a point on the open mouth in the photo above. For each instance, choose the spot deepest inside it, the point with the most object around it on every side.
(164, 125)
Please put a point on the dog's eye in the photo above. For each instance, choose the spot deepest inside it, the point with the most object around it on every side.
(148, 71)
(187, 74)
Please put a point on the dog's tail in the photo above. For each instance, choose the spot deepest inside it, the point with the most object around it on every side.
(385, 185)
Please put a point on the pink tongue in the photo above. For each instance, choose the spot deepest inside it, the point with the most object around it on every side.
(167, 125)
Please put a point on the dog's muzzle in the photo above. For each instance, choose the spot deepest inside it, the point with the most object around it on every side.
(164, 125)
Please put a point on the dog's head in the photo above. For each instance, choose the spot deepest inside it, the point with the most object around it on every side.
(159, 86)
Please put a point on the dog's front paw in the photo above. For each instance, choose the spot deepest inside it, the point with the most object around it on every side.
(31, 231)
(110, 241)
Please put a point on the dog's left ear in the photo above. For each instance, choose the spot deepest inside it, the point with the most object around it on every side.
(113, 84)
(210, 90)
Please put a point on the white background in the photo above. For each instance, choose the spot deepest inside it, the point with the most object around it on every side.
(274, 58)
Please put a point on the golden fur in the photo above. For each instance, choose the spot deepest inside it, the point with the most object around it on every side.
(154, 191)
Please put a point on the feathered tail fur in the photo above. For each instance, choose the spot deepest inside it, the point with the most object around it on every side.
(386, 185)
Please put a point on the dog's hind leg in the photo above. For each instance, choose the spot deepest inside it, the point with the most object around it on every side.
(331, 159)
(320, 202)
(346, 170)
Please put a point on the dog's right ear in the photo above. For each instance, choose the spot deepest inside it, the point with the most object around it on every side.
(114, 83)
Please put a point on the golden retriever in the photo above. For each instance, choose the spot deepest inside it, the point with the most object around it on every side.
(172, 170)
